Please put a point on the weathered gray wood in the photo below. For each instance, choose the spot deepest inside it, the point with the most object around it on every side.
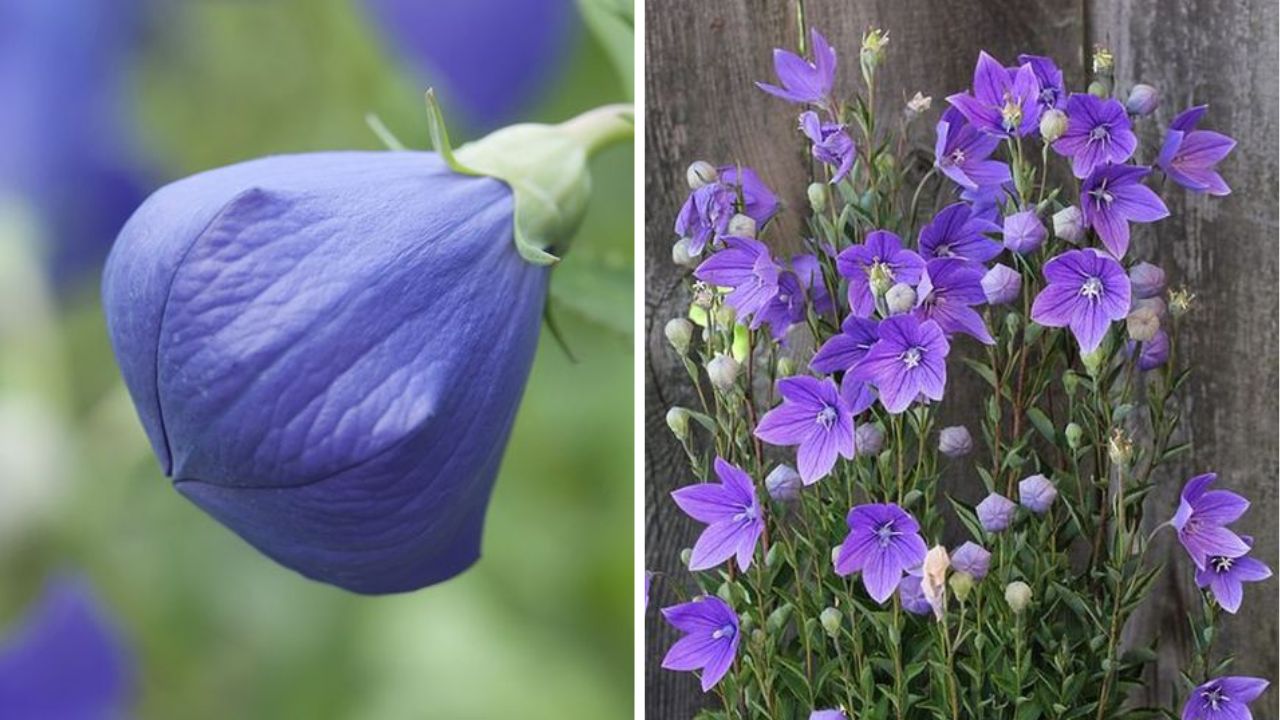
(701, 59)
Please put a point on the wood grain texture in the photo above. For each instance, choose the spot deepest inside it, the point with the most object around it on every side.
(701, 59)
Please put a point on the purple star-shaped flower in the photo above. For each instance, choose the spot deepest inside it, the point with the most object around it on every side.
(733, 516)
(787, 306)
(827, 715)
(746, 266)
(845, 350)
(831, 144)
(947, 291)
(705, 215)
(1053, 92)
(881, 253)
(883, 544)
(814, 416)
(956, 232)
(1087, 291)
(1004, 101)
(710, 641)
(1190, 156)
(1224, 698)
(1098, 133)
(1111, 197)
(1225, 577)
(1202, 519)
(909, 360)
(963, 154)
(758, 201)
(804, 81)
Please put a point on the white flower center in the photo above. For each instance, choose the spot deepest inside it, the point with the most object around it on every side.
(1100, 133)
(911, 358)
(1092, 288)
(827, 417)
(957, 157)
(726, 631)
(885, 534)
(1222, 564)
(1215, 697)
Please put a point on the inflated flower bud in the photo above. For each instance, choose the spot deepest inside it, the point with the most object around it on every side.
(1023, 232)
(685, 556)
(901, 298)
(1001, 284)
(818, 196)
(955, 441)
(1053, 123)
(1092, 361)
(783, 483)
(723, 371)
(917, 105)
(312, 344)
(778, 619)
(961, 584)
(868, 438)
(1146, 280)
(1018, 595)
(1070, 382)
(742, 226)
(1143, 323)
(701, 174)
(1143, 100)
(678, 421)
(679, 333)
(681, 254)
(1099, 89)
(995, 513)
(1075, 436)
(1068, 224)
(971, 559)
(831, 620)
(1037, 493)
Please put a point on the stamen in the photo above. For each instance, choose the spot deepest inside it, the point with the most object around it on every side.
(911, 358)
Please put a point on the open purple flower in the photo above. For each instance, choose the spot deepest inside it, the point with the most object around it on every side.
(1053, 92)
(1087, 291)
(787, 306)
(1190, 157)
(963, 153)
(909, 360)
(882, 255)
(1004, 102)
(814, 416)
(973, 559)
(758, 201)
(710, 641)
(804, 81)
(955, 232)
(1202, 519)
(884, 542)
(746, 266)
(732, 513)
(947, 291)
(1098, 133)
(705, 215)
(1224, 698)
(831, 144)
(1112, 197)
(845, 350)
(1225, 577)
(827, 715)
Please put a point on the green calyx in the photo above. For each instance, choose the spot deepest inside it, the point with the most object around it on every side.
(545, 166)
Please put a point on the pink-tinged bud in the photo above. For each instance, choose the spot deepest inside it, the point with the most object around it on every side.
(955, 441)
(1068, 224)
(1143, 323)
(1143, 100)
(1147, 280)
(1002, 284)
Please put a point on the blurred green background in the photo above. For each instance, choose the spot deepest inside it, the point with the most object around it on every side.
(541, 627)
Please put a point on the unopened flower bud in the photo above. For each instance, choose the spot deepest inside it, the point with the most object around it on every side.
(1093, 361)
(723, 371)
(961, 584)
(786, 367)
(686, 555)
(868, 439)
(1037, 493)
(700, 174)
(1119, 447)
(917, 105)
(885, 164)
(995, 513)
(742, 226)
(1143, 100)
(901, 298)
(972, 559)
(1023, 232)
(758, 637)
(1068, 224)
(831, 620)
(1180, 302)
(1053, 123)
(955, 441)
(681, 254)
(1143, 323)
(835, 554)
(1103, 60)
(1099, 89)
(1147, 280)
(1001, 284)
(1018, 595)
(1075, 436)
(818, 197)
(678, 421)
(783, 483)
(1070, 381)
(1012, 322)
(679, 333)
(880, 279)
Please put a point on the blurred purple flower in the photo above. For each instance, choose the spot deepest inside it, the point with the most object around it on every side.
(731, 512)
(884, 542)
(955, 232)
(947, 291)
(1053, 92)
(746, 266)
(815, 416)
(1202, 519)
(809, 270)
(66, 659)
(1111, 197)
(831, 144)
(1087, 291)
(1225, 698)
(827, 715)
(909, 360)
(1154, 352)
(963, 154)
(1004, 102)
(804, 81)
(493, 59)
(710, 641)
(1147, 280)
(881, 253)
(1098, 133)
(1190, 157)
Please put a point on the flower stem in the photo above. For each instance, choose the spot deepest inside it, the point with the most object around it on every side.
(602, 127)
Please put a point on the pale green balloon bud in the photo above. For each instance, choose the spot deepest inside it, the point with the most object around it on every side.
(1075, 436)
(682, 255)
(1070, 382)
(726, 316)
(678, 421)
(685, 555)
(831, 620)
(961, 584)
(818, 195)
(880, 280)
(679, 332)
(723, 371)
(900, 298)
(1053, 123)
(701, 174)
(742, 226)
(1018, 595)
(1099, 89)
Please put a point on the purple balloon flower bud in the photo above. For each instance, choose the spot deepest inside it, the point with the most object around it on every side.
(1023, 232)
(955, 441)
(911, 594)
(996, 512)
(868, 439)
(1001, 284)
(1143, 100)
(1037, 494)
(1146, 280)
(973, 559)
(783, 483)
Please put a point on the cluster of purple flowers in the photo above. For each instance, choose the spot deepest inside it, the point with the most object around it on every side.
(1221, 556)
